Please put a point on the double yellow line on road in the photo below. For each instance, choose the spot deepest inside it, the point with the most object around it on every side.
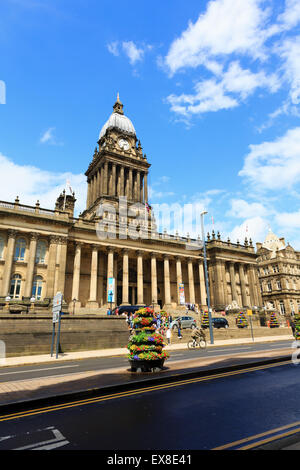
(274, 435)
(138, 391)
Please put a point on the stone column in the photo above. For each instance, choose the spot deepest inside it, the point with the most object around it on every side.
(105, 181)
(61, 275)
(122, 181)
(76, 275)
(167, 284)
(178, 277)
(140, 284)
(141, 188)
(88, 200)
(125, 284)
(51, 267)
(218, 285)
(203, 295)
(30, 264)
(224, 280)
(8, 262)
(98, 183)
(92, 302)
(191, 281)
(130, 184)
(243, 285)
(113, 184)
(145, 188)
(153, 280)
(233, 283)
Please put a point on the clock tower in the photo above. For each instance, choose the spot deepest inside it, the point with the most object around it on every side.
(118, 168)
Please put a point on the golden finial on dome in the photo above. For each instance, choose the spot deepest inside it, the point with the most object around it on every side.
(118, 106)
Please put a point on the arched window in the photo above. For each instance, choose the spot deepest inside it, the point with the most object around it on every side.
(20, 249)
(15, 286)
(37, 287)
(1, 247)
(41, 252)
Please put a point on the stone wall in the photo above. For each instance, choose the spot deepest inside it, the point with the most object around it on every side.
(28, 334)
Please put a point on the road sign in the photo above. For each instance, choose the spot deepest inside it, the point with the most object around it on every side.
(249, 312)
(57, 302)
(55, 317)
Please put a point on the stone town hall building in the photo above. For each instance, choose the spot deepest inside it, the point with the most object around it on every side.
(44, 251)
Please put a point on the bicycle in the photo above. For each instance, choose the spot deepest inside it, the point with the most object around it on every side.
(196, 343)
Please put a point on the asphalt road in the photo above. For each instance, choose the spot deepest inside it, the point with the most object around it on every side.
(200, 413)
(69, 367)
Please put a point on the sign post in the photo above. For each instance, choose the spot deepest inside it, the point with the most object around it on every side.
(249, 313)
(56, 318)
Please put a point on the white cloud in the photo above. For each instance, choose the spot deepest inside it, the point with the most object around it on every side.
(31, 183)
(113, 48)
(234, 86)
(243, 210)
(254, 228)
(291, 15)
(289, 51)
(288, 220)
(134, 53)
(49, 138)
(274, 165)
(209, 96)
(227, 26)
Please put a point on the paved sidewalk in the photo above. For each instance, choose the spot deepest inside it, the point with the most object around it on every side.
(53, 386)
(71, 356)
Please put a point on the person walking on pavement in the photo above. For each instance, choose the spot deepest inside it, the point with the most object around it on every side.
(168, 334)
(179, 328)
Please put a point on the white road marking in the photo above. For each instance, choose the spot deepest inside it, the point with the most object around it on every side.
(58, 441)
(37, 370)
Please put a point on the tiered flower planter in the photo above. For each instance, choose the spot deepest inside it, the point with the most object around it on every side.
(145, 346)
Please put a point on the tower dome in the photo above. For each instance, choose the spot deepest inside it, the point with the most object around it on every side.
(118, 120)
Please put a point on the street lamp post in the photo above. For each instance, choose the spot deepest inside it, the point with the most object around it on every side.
(206, 279)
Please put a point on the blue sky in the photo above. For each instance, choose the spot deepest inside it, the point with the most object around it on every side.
(212, 88)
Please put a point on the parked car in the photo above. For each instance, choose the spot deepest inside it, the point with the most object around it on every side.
(186, 322)
(126, 308)
(220, 322)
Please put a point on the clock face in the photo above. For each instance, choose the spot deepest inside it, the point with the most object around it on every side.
(123, 144)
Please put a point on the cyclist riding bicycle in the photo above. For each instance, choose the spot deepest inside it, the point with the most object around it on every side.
(198, 333)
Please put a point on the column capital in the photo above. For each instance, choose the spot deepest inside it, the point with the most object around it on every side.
(12, 233)
(54, 239)
(95, 247)
(110, 249)
(34, 235)
(125, 251)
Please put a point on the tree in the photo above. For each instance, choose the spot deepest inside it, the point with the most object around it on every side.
(145, 345)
